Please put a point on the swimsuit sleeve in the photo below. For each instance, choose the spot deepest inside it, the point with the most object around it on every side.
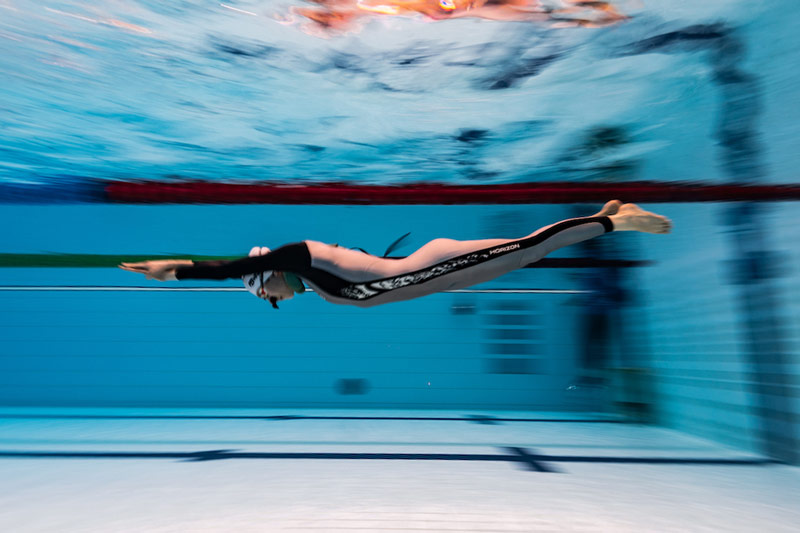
(288, 258)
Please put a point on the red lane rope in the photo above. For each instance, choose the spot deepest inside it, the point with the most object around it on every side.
(202, 192)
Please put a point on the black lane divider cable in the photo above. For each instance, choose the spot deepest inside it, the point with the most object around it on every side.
(527, 459)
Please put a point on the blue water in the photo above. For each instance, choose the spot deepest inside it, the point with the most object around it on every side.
(153, 90)
(194, 89)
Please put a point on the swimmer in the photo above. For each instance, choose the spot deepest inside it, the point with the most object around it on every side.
(351, 277)
(341, 15)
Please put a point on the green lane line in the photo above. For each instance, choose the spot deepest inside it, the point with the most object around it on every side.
(90, 260)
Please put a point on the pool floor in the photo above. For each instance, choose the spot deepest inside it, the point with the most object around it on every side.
(301, 470)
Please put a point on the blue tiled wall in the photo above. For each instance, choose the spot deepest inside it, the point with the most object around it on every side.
(693, 325)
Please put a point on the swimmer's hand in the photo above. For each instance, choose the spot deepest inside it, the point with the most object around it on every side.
(161, 270)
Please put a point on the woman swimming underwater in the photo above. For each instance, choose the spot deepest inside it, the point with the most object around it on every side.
(350, 277)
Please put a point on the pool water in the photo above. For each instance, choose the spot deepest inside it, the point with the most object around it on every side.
(522, 411)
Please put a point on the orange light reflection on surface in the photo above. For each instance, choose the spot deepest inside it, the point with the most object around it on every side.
(343, 15)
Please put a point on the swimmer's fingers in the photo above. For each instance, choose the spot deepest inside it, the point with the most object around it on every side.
(148, 268)
(141, 268)
(161, 270)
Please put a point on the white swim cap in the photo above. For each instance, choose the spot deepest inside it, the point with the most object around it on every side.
(255, 282)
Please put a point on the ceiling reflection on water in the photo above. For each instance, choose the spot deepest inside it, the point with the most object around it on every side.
(232, 91)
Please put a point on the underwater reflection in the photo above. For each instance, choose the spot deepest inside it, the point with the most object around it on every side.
(345, 15)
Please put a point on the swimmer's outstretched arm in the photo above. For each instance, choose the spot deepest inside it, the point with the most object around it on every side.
(290, 258)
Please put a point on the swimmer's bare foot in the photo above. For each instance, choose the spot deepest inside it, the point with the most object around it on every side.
(631, 217)
(609, 209)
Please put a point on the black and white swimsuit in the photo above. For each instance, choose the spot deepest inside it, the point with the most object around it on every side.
(351, 277)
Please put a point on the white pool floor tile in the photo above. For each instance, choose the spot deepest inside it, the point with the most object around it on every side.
(134, 470)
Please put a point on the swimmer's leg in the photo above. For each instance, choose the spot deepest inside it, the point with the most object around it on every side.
(614, 216)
